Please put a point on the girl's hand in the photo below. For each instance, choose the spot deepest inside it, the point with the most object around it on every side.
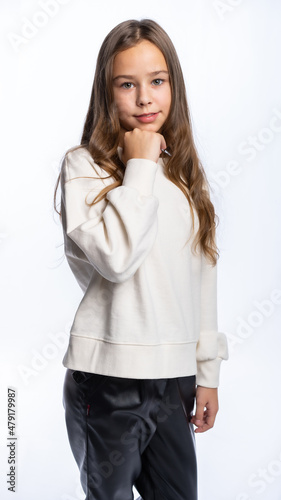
(206, 408)
(142, 144)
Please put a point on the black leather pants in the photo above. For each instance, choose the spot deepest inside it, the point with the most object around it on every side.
(126, 432)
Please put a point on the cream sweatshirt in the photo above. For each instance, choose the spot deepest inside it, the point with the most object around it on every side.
(149, 306)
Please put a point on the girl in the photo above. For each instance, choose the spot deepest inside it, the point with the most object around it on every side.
(139, 236)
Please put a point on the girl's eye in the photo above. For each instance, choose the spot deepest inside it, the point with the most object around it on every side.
(127, 85)
(157, 81)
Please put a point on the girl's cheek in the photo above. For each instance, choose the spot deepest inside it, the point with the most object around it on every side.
(122, 107)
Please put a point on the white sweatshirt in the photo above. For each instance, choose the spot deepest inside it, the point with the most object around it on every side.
(149, 308)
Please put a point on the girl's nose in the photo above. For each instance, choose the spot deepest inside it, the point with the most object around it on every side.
(144, 97)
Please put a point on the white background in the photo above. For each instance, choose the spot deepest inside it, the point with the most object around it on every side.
(230, 54)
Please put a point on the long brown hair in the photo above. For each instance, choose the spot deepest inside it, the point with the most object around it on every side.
(102, 129)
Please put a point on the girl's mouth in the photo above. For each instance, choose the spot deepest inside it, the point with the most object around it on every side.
(147, 118)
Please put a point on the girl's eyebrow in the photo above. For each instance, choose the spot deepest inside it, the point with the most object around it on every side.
(153, 73)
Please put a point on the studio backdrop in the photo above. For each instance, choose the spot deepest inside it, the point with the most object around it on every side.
(230, 55)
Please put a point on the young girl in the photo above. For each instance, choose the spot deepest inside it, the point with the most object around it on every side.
(139, 236)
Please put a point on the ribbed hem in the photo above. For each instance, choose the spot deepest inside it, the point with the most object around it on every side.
(131, 361)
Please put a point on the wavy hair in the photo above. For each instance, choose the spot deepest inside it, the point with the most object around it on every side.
(101, 131)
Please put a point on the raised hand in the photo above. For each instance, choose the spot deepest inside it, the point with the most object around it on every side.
(142, 144)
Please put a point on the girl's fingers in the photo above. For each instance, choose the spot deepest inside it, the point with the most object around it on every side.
(163, 142)
(143, 144)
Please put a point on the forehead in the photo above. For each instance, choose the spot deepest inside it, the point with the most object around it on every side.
(144, 55)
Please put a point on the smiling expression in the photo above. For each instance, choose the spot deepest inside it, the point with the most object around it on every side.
(141, 87)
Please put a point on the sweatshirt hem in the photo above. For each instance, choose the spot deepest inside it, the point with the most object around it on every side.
(137, 361)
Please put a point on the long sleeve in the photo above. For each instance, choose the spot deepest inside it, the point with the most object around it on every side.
(212, 346)
(116, 234)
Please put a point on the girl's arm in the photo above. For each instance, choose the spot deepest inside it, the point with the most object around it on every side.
(211, 350)
(116, 234)
(212, 346)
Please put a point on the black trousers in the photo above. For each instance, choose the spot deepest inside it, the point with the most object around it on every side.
(126, 432)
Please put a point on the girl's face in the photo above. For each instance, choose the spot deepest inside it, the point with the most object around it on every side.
(141, 87)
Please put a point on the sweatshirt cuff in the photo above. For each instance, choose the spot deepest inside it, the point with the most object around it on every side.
(208, 373)
(140, 174)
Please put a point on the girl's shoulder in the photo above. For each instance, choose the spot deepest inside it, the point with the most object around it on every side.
(79, 161)
(77, 153)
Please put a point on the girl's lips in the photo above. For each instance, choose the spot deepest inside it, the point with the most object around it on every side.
(147, 118)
